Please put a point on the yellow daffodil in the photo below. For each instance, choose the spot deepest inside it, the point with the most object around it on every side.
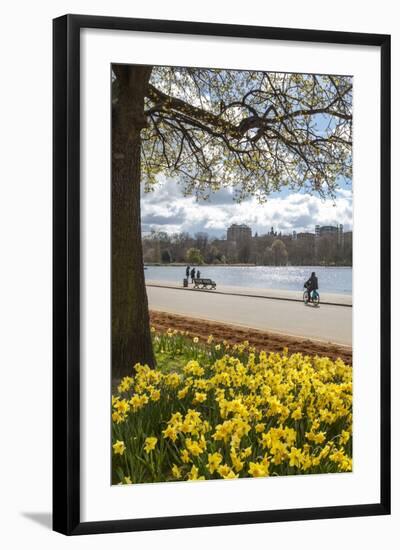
(194, 448)
(226, 472)
(258, 469)
(295, 457)
(245, 453)
(199, 397)
(118, 418)
(183, 393)
(170, 432)
(296, 414)
(236, 462)
(119, 447)
(150, 444)
(125, 384)
(155, 395)
(214, 460)
(344, 437)
(122, 406)
(185, 456)
(193, 475)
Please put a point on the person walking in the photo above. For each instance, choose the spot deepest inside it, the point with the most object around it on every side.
(198, 274)
(193, 274)
(187, 271)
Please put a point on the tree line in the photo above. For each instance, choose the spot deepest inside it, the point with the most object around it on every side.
(276, 250)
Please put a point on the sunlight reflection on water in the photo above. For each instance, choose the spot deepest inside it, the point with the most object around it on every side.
(331, 279)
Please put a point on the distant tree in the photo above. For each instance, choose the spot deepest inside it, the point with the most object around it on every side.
(327, 248)
(149, 254)
(301, 251)
(213, 254)
(347, 249)
(193, 256)
(160, 236)
(153, 244)
(279, 252)
(178, 245)
(166, 256)
(257, 131)
(268, 256)
(244, 252)
(201, 241)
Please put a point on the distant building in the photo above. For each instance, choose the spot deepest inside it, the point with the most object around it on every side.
(330, 231)
(272, 233)
(305, 236)
(238, 232)
(327, 230)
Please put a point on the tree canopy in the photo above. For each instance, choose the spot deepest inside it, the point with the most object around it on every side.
(193, 256)
(254, 130)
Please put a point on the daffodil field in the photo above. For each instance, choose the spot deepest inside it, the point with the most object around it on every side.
(217, 411)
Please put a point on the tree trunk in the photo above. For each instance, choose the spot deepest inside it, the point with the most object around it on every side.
(131, 338)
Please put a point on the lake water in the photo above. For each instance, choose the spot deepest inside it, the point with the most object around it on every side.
(330, 279)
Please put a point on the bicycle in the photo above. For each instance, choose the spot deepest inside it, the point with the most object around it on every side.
(314, 297)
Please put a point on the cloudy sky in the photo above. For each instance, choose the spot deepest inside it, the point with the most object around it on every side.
(166, 209)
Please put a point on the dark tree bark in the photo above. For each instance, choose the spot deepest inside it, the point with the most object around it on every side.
(131, 338)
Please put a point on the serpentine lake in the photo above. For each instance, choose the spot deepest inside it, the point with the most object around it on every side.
(336, 280)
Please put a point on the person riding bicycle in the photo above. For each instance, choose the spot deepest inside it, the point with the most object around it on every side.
(311, 285)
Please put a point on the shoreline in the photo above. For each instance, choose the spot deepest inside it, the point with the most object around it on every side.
(326, 298)
(261, 339)
(173, 264)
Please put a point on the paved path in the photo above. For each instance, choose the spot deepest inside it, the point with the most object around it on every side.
(277, 294)
(328, 323)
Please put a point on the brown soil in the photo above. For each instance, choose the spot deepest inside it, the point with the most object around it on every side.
(261, 340)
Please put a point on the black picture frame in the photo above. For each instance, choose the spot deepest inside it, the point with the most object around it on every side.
(66, 273)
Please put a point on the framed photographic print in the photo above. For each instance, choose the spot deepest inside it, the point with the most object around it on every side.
(221, 274)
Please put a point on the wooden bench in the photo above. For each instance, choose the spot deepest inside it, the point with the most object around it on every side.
(205, 283)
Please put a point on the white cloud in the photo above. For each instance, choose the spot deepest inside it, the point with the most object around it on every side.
(168, 210)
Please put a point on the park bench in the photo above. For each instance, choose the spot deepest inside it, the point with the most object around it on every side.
(204, 283)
